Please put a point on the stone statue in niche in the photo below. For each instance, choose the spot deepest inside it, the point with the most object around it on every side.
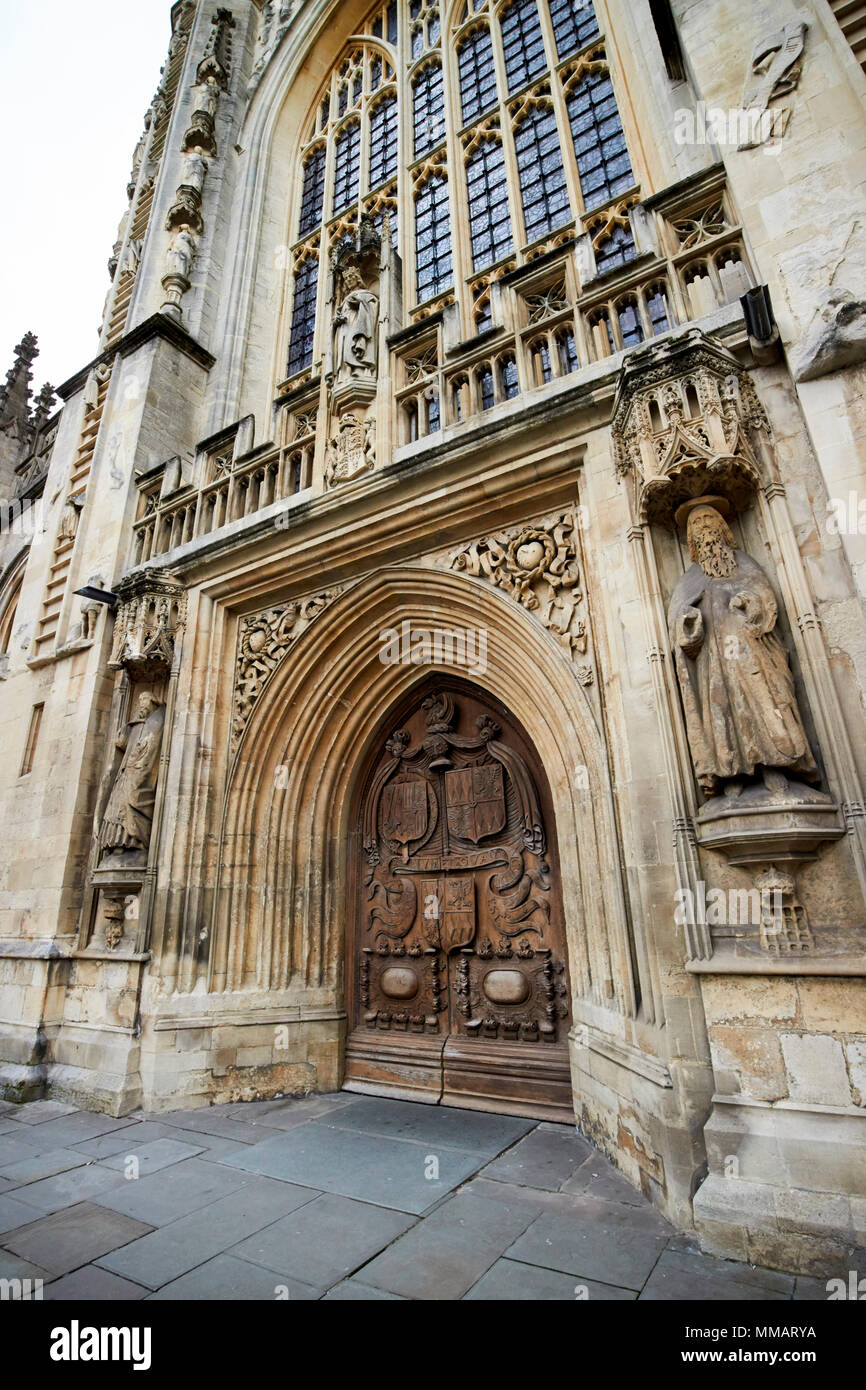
(181, 254)
(128, 817)
(737, 688)
(356, 325)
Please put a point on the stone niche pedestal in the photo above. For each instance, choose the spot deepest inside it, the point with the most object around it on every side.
(786, 1137)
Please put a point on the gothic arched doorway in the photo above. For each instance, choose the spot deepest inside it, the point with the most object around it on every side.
(457, 981)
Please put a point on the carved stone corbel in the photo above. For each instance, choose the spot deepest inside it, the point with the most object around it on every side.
(150, 617)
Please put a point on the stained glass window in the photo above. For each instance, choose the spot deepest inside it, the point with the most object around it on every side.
(346, 167)
(574, 24)
(616, 249)
(542, 178)
(568, 359)
(489, 220)
(488, 394)
(432, 238)
(629, 323)
(477, 75)
(383, 141)
(428, 110)
(599, 142)
(313, 196)
(303, 316)
(522, 43)
(657, 306)
(508, 378)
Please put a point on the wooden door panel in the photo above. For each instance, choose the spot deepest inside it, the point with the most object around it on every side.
(460, 987)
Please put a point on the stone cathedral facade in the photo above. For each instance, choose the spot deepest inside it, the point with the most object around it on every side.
(433, 634)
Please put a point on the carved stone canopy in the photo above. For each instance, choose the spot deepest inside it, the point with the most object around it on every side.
(683, 422)
(151, 613)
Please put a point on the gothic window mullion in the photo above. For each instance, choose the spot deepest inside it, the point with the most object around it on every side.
(460, 246)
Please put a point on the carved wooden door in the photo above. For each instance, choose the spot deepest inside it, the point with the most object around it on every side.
(459, 985)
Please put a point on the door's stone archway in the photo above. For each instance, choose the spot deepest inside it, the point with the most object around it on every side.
(281, 905)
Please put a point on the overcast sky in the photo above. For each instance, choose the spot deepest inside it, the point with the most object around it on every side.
(76, 77)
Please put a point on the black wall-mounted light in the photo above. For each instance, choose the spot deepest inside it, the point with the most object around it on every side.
(99, 596)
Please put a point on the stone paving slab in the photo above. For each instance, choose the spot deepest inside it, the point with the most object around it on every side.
(72, 1238)
(44, 1165)
(597, 1178)
(153, 1157)
(354, 1291)
(386, 1172)
(14, 1214)
(449, 1127)
(442, 1257)
(226, 1277)
(67, 1130)
(508, 1280)
(37, 1112)
(325, 1240)
(592, 1248)
(175, 1249)
(13, 1267)
(678, 1276)
(15, 1149)
(93, 1285)
(68, 1189)
(167, 1196)
(125, 1140)
(545, 1158)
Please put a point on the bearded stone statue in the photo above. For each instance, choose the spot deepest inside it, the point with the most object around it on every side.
(737, 687)
(355, 328)
(128, 818)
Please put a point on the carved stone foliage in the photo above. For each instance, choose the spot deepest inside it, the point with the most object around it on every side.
(150, 617)
(538, 565)
(683, 420)
(775, 70)
(264, 641)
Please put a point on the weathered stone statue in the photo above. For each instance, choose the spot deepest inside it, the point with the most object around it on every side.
(355, 329)
(128, 818)
(181, 254)
(737, 687)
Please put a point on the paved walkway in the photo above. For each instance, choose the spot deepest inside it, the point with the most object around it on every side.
(337, 1196)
